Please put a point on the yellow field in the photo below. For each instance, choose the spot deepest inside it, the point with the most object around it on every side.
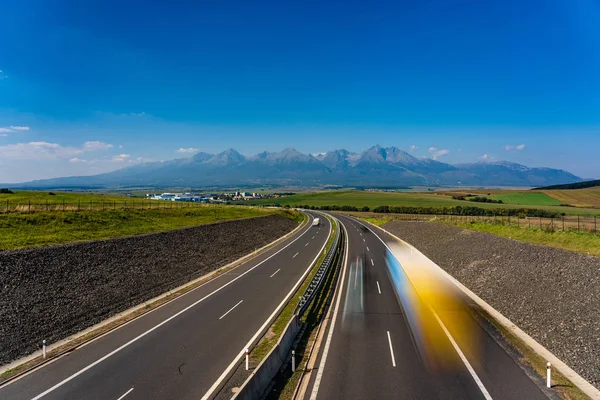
(589, 197)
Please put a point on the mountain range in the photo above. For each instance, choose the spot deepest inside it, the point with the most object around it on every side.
(375, 167)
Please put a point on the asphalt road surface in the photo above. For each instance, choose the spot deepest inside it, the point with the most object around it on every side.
(180, 349)
(371, 353)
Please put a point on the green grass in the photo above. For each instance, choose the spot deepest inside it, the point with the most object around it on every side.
(374, 199)
(579, 242)
(526, 198)
(21, 230)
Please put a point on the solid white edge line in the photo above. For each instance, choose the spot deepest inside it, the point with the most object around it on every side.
(258, 333)
(391, 349)
(486, 394)
(135, 339)
(231, 309)
(275, 273)
(319, 376)
(378, 287)
(484, 391)
(126, 393)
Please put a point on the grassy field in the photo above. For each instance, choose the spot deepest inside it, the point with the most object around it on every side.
(21, 230)
(577, 197)
(374, 199)
(526, 198)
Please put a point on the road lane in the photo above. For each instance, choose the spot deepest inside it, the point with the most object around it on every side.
(184, 356)
(364, 361)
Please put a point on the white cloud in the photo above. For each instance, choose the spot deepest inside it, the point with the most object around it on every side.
(141, 114)
(77, 160)
(3, 134)
(19, 128)
(36, 150)
(437, 153)
(96, 146)
(120, 158)
(484, 157)
(2, 76)
(510, 147)
(413, 148)
(120, 146)
(188, 150)
(14, 128)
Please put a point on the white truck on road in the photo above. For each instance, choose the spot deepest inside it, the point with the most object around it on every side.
(316, 222)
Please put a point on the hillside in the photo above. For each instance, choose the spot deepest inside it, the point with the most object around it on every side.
(576, 185)
(375, 167)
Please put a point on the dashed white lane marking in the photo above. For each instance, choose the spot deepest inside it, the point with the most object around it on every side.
(372, 263)
(378, 287)
(391, 349)
(368, 248)
(306, 245)
(313, 237)
(275, 273)
(126, 393)
(486, 394)
(231, 309)
(295, 255)
(155, 327)
(364, 240)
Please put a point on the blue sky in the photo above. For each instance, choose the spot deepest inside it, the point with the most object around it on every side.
(96, 85)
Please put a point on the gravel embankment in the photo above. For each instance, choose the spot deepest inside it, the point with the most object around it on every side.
(52, 292)
(552, 294)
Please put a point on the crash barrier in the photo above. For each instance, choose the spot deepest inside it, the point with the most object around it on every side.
(319, 278)
(260, 379)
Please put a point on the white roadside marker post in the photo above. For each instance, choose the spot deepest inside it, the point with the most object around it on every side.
(548, 374)
(44, 348)
(293, 361)
(247, 361)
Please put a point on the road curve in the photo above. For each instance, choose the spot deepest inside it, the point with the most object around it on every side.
(180, 349)
(369, 352)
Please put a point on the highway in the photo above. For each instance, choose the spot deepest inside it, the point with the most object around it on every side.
(179, 350)
(368, 350)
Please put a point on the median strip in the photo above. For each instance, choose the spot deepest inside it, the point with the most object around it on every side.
(291, 330)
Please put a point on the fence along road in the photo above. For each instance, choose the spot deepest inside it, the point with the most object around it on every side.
(180, 349)
(368, 351)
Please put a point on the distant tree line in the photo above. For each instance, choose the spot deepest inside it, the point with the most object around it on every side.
(6, 191)
(334, 208)
(577, 185)
(470, 211)
(457, 210)
(478, 199)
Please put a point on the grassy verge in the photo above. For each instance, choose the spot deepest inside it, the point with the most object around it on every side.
(579, 242)
(584, 243)
(287, 382)
(22, 230)
(265, 345)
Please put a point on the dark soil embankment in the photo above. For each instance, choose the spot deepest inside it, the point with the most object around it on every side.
(52, 292)
(552, 294)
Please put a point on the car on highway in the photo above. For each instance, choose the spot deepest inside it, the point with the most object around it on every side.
(316, 222)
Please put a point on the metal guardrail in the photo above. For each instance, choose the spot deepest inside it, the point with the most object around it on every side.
(317, 281)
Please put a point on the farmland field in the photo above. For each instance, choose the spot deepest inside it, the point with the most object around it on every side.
(526, 198)
(415, 199)
(21, 230)
(589, 197)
